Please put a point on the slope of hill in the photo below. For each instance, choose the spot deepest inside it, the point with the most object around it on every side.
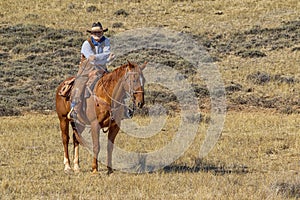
(259, 61)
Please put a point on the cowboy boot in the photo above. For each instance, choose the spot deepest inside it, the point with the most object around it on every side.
(72, 114)
(74, 105)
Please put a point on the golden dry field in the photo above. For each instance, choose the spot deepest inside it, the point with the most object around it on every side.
(257, 157)
(256, 48)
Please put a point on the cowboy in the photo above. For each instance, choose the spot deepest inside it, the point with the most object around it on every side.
(96, 50)
(97, 44)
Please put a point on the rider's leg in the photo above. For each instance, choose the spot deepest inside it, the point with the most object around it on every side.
(77, 96)
(74, 104)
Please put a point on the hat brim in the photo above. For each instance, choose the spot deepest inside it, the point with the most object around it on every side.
(104, 30)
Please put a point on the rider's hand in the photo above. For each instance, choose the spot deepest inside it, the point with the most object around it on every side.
(92, 58)
(111, 57)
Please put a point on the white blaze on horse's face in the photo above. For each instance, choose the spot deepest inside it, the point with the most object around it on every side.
(135, 80)
(142, 81)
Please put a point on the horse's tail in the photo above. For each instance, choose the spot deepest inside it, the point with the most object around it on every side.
(79, 138)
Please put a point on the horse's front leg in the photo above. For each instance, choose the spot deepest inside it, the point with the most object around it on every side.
(113, 131)
(95, 127)
(64, 127)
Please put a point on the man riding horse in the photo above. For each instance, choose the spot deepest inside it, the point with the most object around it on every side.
(96, 49)
(97, 98)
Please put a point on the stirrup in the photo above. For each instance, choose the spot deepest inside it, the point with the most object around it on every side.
(72, 114)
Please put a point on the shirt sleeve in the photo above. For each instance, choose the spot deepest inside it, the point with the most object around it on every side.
(86, 49)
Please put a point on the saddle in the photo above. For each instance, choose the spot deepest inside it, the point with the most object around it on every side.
(68, 86)
(66, 89)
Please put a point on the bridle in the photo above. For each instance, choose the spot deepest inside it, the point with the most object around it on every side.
(132, 90)
(127, 80)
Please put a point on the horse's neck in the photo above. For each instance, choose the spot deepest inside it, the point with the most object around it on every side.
(112, 83)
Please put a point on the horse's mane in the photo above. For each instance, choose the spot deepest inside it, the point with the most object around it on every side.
(116, 73)
(113, 75)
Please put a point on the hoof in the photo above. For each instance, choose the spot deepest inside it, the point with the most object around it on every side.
(109, 172)
(94, 171)
(76, 169)
(68, 171)
(95, 174)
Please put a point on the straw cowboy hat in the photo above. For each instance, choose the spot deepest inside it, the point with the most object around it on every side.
(97, 27)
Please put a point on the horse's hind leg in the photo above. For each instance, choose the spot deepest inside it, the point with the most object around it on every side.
(76, 149)
(64, 126)
(77, 139)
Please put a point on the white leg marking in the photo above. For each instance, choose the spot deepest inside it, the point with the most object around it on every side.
(76, 159)
(66, 161)
(67, 165)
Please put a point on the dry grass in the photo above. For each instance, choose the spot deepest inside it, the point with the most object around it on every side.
(199, 16)
(257, 156)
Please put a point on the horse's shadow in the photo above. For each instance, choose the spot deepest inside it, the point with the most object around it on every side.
(200, 166)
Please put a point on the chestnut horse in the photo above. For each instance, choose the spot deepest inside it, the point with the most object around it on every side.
(103, 110)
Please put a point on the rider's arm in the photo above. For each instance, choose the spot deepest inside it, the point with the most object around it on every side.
(100, 58)
(86, 49)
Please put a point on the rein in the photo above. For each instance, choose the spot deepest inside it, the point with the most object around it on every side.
(130, 93)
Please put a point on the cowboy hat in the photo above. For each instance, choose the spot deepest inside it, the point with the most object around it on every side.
(97, 27)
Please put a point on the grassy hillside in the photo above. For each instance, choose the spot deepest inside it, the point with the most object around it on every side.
(255, 46)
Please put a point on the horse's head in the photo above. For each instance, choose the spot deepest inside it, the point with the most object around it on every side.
(135, 83)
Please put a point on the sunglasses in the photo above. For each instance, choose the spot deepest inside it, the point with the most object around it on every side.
(97, 32)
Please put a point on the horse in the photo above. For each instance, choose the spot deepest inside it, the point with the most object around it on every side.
(103, 110)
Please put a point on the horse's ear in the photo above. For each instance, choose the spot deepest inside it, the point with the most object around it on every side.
(144, 65)
(129, 63)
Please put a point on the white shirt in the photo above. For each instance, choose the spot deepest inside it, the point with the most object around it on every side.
(102, 51)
